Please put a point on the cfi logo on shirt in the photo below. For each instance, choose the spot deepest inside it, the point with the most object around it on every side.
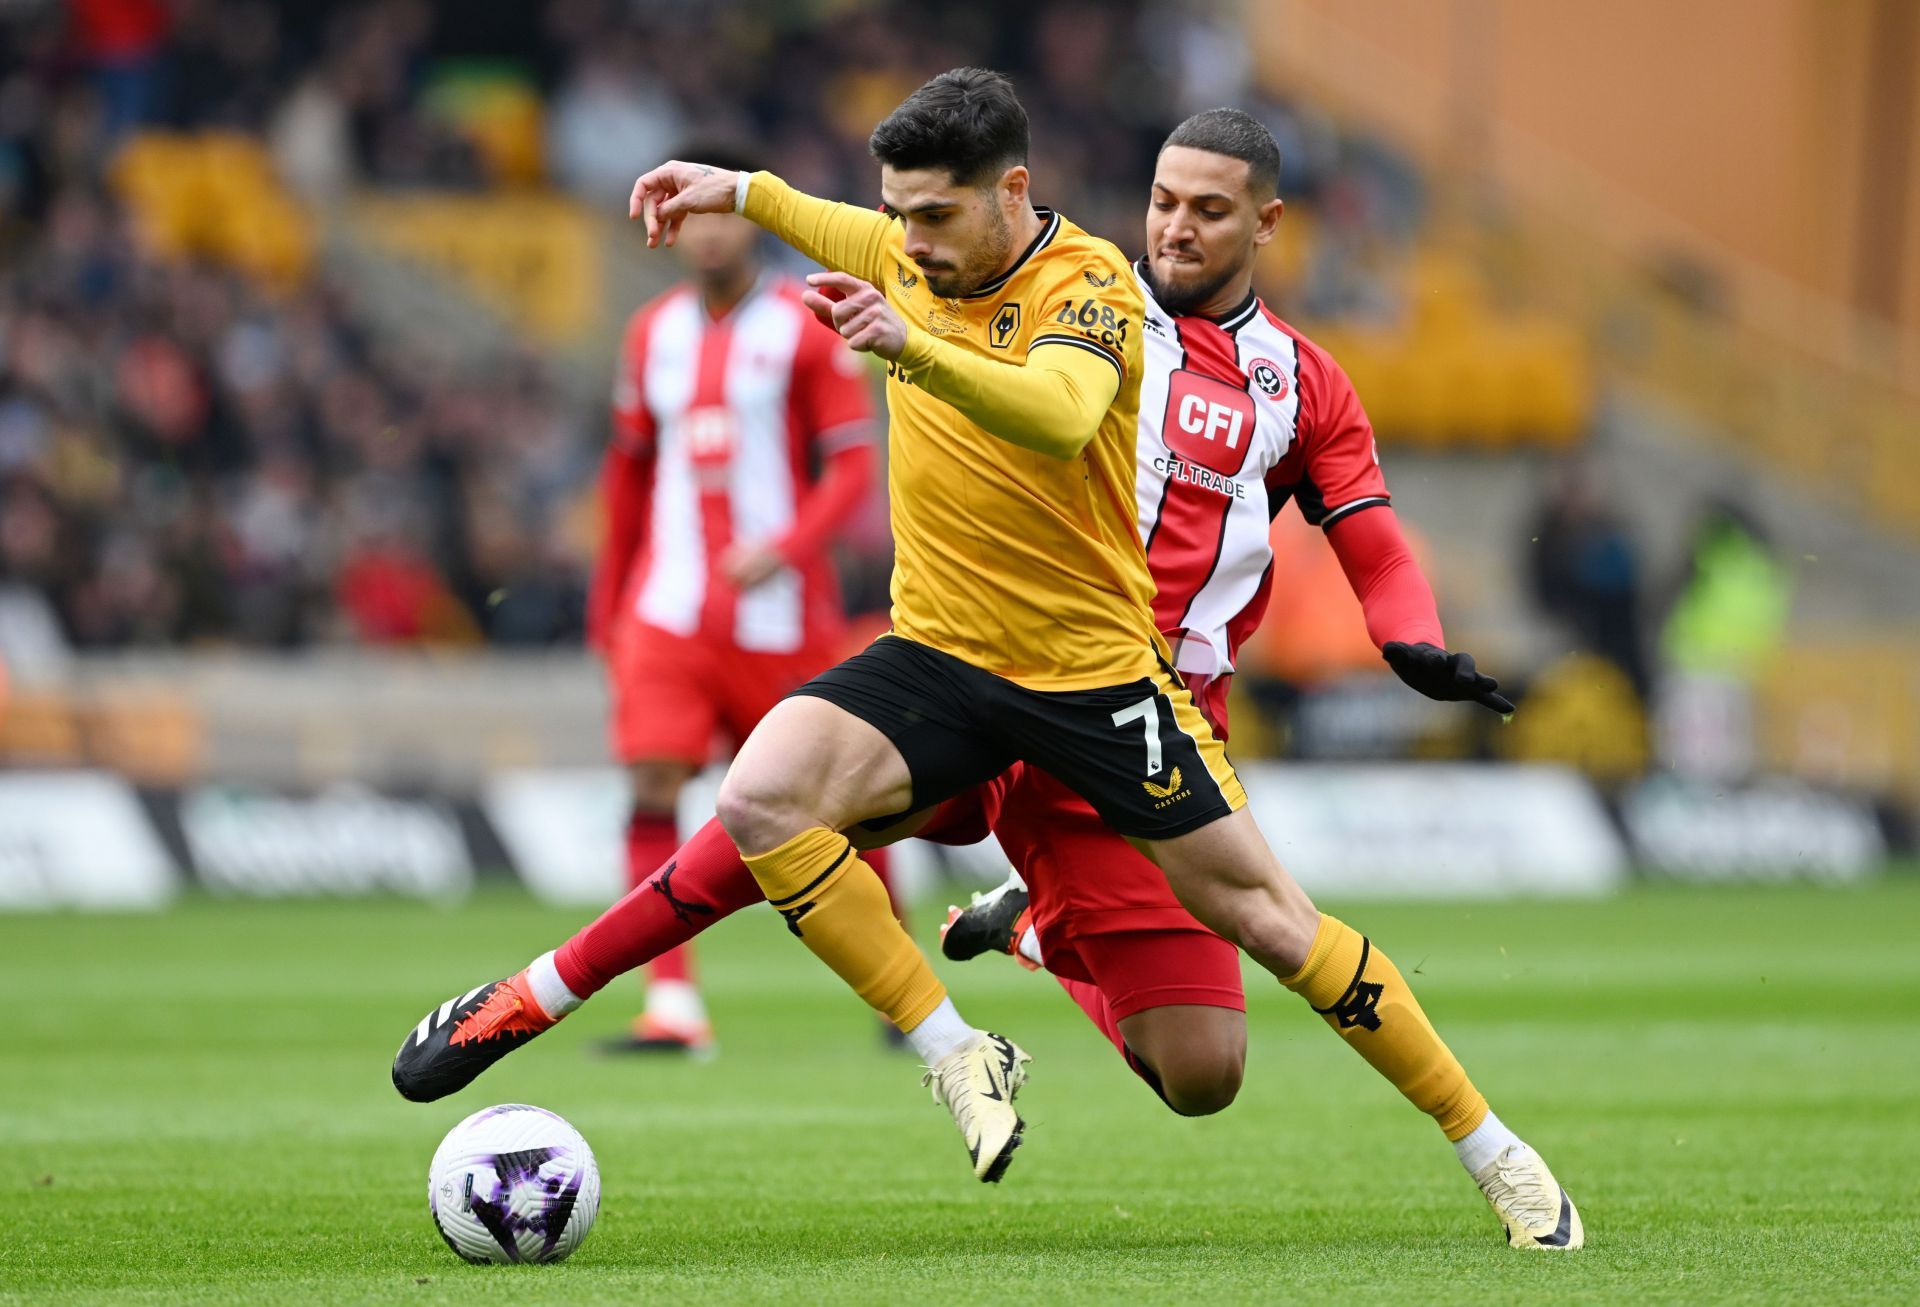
(907, 280)
(1269, 378)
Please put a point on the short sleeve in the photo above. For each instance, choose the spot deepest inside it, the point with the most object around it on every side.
(1333, 469)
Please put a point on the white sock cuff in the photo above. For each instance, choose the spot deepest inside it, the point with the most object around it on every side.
(941, 1033)
(676, 1002)
(1487, 1141)
(1029, 946)
(549, 991)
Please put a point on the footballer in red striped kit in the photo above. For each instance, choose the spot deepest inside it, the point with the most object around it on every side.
(1240, 416)
(743, 437)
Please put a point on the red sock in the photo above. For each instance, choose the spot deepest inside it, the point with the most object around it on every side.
(675, 964)
(651, 840)
(702, 883)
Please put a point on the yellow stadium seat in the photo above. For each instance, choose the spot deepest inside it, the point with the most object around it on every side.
(216, 195)
(1845, 712)
(1552, 393)
(1471, 409)
(1447, 296)
(1582, 711)
(1368, 362)
(1419, 380)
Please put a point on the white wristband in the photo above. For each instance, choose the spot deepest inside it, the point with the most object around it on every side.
(740, 191)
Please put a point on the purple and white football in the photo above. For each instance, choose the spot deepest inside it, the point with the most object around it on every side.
(513, 1183)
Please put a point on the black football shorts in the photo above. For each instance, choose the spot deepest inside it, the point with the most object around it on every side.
(1140, 753)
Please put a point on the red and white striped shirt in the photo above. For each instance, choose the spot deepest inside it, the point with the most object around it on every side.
(1237, 416)
(732, 418)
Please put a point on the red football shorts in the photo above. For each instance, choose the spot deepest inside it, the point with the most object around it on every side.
(671, 693)
(1140, 969)
(1104, 913)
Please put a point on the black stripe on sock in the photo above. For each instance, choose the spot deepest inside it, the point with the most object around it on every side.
(815, 883)
(1366, 947)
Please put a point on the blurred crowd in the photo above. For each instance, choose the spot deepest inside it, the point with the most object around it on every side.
(189, 457)
(185, 459)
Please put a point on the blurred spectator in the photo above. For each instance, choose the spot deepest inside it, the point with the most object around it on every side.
(121, 42)
(612, 109)
(180, 456)
(312, 140)
(1584, 571)
(1728, 619)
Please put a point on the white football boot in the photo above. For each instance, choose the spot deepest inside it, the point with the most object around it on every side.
(1533, 1209)
(978, 1083)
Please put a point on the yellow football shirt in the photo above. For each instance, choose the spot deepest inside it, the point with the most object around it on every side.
(1022, 564)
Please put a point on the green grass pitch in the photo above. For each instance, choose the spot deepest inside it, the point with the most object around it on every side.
(195, 1108)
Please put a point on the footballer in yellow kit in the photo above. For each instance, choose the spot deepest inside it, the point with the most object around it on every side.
(1017, 549)
(1023, 629)
(983, 530)
(1022, 605)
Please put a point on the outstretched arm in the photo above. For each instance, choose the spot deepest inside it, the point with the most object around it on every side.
(1386, 578)
(844, 237)
(1051, 404)
(1400, 612)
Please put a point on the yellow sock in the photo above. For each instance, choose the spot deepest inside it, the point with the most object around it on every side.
(1365, 999)
(837, 906)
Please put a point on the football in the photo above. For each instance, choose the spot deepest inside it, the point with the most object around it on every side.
(513, 1183)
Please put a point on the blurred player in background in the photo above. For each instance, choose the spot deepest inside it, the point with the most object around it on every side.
(743, 436)
(1239, 415)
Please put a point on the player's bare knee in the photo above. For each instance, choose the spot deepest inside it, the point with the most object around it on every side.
(1205, 1084)
(759, 812)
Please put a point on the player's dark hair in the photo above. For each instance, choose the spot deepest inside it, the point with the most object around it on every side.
(966, 120)
(725, 154)
(1238, 135)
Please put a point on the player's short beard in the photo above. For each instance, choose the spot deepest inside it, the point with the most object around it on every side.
(1191, 297)
(982, 265)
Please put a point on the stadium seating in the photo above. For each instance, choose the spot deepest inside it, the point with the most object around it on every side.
(215, 194)
(1462, 375)
(1844, 710)
(534, 257)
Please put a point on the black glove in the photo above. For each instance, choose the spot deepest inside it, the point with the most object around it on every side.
(1442, 675)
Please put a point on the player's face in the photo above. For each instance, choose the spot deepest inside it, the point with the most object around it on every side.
(959, 235)
(1203, 226)
(717, 246)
